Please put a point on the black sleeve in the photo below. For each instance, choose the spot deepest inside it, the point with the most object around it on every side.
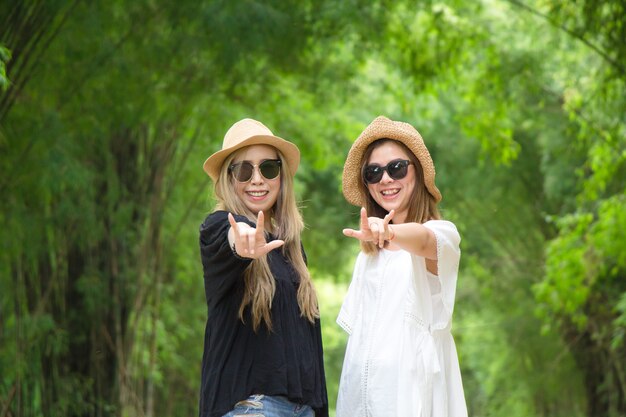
(220, 265)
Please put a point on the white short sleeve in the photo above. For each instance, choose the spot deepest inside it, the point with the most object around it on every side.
(448, 257)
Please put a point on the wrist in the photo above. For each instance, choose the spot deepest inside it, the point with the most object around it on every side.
(392, 233)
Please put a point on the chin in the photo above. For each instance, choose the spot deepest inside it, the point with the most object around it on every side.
(256, 209)
(260, 207)
(388, 206)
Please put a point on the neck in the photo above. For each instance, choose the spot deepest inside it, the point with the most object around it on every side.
(399, 218)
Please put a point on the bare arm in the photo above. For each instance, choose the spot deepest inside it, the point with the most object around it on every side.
(414, 238)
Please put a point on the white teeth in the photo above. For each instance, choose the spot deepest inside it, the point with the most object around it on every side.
(390, 192)
(257, 193)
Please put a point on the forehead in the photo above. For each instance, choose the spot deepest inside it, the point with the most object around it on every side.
(388, 151)
(255, 153)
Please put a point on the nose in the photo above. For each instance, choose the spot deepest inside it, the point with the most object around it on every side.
(386, 178)
(257, 178)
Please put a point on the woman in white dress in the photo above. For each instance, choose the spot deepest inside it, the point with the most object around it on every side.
(401, 358)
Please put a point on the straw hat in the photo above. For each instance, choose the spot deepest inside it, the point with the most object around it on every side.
(380, 128)
(248, 132)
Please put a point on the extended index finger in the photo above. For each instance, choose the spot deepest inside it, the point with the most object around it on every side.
(365, 225)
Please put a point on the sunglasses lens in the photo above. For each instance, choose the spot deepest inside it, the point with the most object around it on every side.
(373, 174)
(270, 169)
(397, 170)
(242, 171)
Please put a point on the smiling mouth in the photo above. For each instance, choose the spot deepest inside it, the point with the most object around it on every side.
(257, 194)
(388, 193)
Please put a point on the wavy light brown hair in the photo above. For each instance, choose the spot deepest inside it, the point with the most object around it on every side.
(423, 206)
(287, 225)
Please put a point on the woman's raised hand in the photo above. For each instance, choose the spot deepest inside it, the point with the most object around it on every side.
(250, 242)
(372, 229)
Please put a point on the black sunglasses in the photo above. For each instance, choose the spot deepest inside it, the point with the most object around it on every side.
(243, 171)
(397, 170)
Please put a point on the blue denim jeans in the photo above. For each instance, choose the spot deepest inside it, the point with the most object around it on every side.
(269, 406)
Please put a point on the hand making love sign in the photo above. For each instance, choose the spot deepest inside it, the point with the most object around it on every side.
(373, 229)
(250, 242)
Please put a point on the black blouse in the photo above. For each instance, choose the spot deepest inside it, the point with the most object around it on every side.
(237, 362)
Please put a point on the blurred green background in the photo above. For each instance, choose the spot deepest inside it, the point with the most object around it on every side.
(109, 108)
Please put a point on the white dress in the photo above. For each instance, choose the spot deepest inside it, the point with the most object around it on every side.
(401, 358)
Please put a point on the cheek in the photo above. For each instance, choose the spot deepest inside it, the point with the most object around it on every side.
(239, 189)
(409, 185)
(275, 189)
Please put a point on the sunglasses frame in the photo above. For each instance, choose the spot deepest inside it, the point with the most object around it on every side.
(386, 168)
(232, 167)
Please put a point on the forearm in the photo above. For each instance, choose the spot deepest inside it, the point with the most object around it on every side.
(414, 238)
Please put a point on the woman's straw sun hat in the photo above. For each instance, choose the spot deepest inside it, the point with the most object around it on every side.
(248, 132)
(380, 128)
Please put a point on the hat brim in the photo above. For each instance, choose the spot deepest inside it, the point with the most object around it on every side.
(380, 128)
(290, 152)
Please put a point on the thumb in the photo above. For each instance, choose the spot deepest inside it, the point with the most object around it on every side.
(352, 233)
(274, 244)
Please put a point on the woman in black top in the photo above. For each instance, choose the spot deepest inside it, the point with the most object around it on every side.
(262, 344)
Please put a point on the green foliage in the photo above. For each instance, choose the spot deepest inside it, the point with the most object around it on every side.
(583, 290)
(5, 57)
(568, 278)
(331, 296)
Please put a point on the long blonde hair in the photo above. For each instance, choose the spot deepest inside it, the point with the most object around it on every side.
(423, 205)
(259, 283)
